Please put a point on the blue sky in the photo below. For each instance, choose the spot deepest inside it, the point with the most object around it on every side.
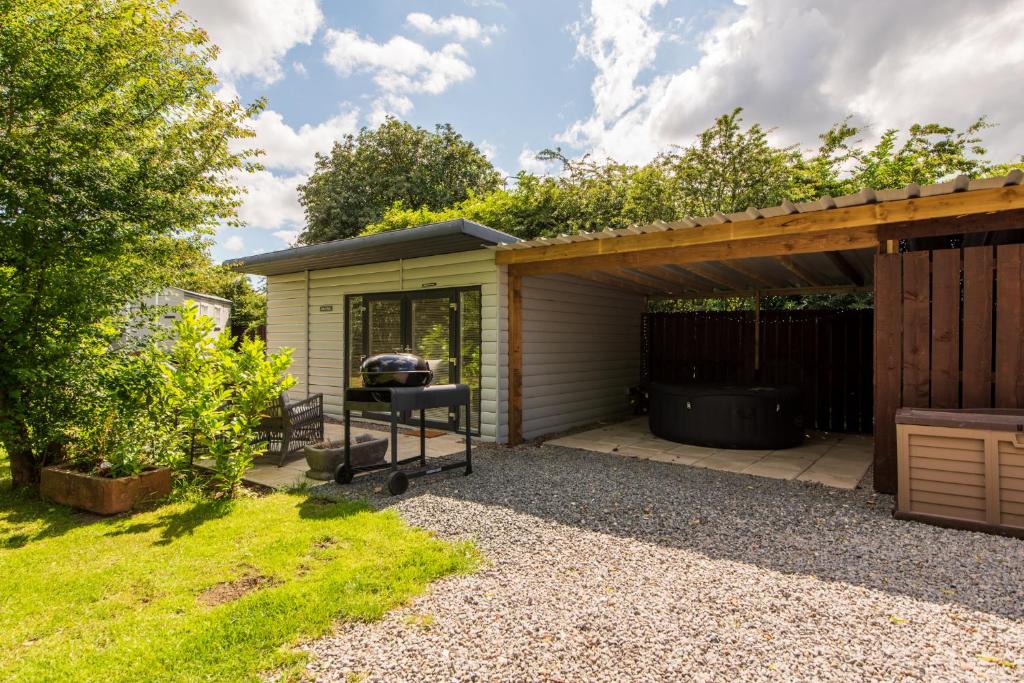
(616, 78)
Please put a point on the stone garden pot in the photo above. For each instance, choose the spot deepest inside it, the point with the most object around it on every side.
(103, 495)
(323, 458)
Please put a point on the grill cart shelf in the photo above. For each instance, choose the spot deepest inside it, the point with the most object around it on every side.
(394, 401)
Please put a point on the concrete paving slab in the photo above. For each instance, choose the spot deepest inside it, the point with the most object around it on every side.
(833, 459)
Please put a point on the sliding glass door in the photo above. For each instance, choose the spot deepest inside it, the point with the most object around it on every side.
(442, 326)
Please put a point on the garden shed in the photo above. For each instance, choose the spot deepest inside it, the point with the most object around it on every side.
(553, 331)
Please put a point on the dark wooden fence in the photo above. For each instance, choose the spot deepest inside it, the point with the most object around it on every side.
(949, 327)
(826, 353)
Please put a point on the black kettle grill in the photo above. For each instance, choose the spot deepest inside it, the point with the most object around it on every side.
(395, 370)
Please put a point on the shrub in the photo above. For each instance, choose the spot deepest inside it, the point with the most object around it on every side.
(216, 396)
(118, 428)
(165, 398)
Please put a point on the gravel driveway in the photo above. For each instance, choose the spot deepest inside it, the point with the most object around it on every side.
(601, 568)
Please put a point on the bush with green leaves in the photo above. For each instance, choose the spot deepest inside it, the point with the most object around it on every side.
(217, 395)
(162, 399)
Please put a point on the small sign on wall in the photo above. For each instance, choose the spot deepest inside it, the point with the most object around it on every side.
(327, 308)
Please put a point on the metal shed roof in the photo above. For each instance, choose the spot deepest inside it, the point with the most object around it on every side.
(865, 196)
(445, 237)
(823, 245)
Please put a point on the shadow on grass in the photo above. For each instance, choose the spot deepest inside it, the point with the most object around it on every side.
(30, 518)
(312, 506)
(178, 523)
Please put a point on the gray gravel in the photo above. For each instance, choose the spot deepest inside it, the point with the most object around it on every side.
(602, 568)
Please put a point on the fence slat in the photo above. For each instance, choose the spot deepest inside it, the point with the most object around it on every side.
(916, 329)
(815, 350)
(945, 351)
(977, 363)
(1009, 309)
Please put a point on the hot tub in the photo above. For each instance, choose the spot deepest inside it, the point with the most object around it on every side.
(727, 415)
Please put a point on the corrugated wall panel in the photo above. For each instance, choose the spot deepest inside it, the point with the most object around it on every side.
(581, 352)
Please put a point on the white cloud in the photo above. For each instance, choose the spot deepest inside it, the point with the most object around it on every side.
(463, 28)
(389, 104)
(488, 150)
(271, 201)
(293, 149)
(299, 68)
(234, 244)
(804, 65)
(621, 43)
(400, 65)
(287, 236)
(254, 35)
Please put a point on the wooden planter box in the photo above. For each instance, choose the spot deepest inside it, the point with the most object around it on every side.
(962, 468)
(102, 495)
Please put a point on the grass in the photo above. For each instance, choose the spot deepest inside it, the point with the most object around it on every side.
(194, 589)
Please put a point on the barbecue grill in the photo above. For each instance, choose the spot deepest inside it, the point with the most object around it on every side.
(395, 370)
(395, 401)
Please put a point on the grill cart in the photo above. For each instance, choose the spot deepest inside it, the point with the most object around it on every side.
(394, 401)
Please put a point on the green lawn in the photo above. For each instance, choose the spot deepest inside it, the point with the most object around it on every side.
(130, 599)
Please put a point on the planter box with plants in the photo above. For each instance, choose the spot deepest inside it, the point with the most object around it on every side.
(101, 495)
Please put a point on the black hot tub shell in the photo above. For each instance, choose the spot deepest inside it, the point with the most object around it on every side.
(727, 415)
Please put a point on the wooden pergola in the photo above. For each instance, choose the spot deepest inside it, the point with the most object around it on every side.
(827, 246)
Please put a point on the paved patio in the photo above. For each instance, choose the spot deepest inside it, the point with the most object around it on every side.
(293, 473)
(838, 460)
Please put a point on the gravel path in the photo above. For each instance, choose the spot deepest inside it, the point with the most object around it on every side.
(602, 568)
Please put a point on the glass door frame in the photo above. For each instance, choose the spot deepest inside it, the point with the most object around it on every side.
(453, 294)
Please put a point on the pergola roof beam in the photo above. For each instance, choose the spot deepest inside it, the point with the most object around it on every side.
(849, 271)
(804, 274)
(619, 283)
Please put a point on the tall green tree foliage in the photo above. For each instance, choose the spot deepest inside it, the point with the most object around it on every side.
(728, 168)
(112, 146)
(367, 173)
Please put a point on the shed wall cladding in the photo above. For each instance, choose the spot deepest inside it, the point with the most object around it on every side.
(581, 352)
(295, 318)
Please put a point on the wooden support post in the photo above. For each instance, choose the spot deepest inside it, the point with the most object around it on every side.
(515, 359)
(888, 366)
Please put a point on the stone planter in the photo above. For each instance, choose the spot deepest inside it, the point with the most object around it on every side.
(323, 458)
(103, 495)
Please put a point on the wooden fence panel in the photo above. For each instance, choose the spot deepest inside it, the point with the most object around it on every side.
(947, 335)
(824, 353)
(1009, 307)
(916, 329)
(945, 352)
(977, 323)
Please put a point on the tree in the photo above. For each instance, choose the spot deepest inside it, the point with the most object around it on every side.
(112, 146)
(728, 169)
(365, 174)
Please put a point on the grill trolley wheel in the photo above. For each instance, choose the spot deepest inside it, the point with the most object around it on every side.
(393, 401)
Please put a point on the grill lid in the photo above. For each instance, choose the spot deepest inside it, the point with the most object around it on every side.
(396, 370)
